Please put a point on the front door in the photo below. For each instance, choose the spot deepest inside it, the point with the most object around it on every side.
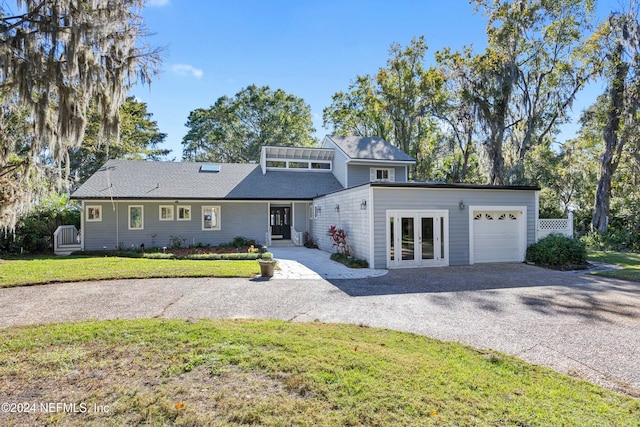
(417, 238)
(281, 223)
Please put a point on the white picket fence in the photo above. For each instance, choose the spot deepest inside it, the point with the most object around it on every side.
(547, 226)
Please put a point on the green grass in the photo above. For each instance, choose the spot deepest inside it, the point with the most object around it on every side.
(629, 262)
(16, 272)
(272, 373)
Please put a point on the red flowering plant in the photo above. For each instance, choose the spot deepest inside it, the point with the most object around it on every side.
(339, 240)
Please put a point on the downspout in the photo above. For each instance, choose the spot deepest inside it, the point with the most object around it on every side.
(536, 214)
(82, 230)
(372, 254)
(117, 224)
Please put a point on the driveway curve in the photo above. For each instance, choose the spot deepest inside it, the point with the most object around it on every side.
(578, 324)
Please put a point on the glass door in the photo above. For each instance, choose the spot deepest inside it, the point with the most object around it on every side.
(280, 220)
(417, 238)
(408, 239)
(427, 237)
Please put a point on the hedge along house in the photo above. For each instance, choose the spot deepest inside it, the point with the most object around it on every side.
(359, 184)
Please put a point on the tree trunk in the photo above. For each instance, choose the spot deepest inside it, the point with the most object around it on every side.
(600, 220)
(613, 144)
(496, 159)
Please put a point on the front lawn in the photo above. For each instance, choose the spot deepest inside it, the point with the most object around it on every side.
(273, 373)
(629, 262)
(27, 271)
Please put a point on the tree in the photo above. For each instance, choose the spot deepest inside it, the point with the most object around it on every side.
(527, 78)
(57, 56)
(397, 104)
(616, 47)
(360, 111)
(458, 115)
(234, 129)
(139, 139)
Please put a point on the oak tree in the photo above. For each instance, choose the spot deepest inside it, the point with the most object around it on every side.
(56, 57)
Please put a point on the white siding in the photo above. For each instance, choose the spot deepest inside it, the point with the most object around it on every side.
(350, 217)
(339, 162)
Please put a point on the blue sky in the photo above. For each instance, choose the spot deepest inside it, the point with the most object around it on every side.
(310, 49)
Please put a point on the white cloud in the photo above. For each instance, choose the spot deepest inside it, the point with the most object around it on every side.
(157, 3)
(186, 69)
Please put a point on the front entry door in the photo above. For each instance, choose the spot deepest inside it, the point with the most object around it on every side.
(281, 223)
(418, 238)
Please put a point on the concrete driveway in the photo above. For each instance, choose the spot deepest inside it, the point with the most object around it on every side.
(574, 323)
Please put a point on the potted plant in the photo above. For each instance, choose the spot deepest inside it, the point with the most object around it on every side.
(267, 264)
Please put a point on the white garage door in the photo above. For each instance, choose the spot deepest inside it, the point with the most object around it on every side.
(497, 235)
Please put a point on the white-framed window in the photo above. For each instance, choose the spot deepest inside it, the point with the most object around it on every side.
(166, 212)
(382, 174)
(136, 217)
(94, 213)
(211, 217)
(184, 213)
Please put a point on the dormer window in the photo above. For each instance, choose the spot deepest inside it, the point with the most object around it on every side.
(382, 174)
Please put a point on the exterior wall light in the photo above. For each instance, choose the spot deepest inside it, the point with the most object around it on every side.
(363, 204)
(461, 204)
(337, 208)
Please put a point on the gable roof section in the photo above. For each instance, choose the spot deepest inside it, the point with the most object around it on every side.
(139, 179)
(370, 148)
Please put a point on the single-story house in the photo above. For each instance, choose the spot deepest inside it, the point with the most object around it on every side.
(358, 184)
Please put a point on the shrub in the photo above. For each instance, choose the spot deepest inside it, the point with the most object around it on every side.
(339, 240)
(558, 251)
(241, 242)
(34, 231)
(350, 262)
(309, 242)
(612, 240)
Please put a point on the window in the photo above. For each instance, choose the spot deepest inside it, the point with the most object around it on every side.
(298, 165)
(320, 165)
(136, 217)
(166, 213)
(377, 174)
(184, 213)
(276, 164)
(94, 214)
(211, 217)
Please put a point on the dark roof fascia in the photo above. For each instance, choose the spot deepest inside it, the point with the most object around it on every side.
(237, 199)
(454, 186)
(361, 161)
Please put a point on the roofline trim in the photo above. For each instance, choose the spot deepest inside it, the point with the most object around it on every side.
(191, 199)
(459, 186)
(362, 161)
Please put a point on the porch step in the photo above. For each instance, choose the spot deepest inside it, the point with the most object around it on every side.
(67, 249)
(282, 244)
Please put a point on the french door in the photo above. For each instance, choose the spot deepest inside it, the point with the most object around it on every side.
(417, 238)
(280, 223)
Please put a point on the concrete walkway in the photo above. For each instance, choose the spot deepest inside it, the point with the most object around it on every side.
(304, 263)
(574, 323)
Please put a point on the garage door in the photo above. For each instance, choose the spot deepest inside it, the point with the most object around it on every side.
(498, 235)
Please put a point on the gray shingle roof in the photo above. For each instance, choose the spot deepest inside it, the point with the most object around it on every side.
(137, 179)
(369, 148)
